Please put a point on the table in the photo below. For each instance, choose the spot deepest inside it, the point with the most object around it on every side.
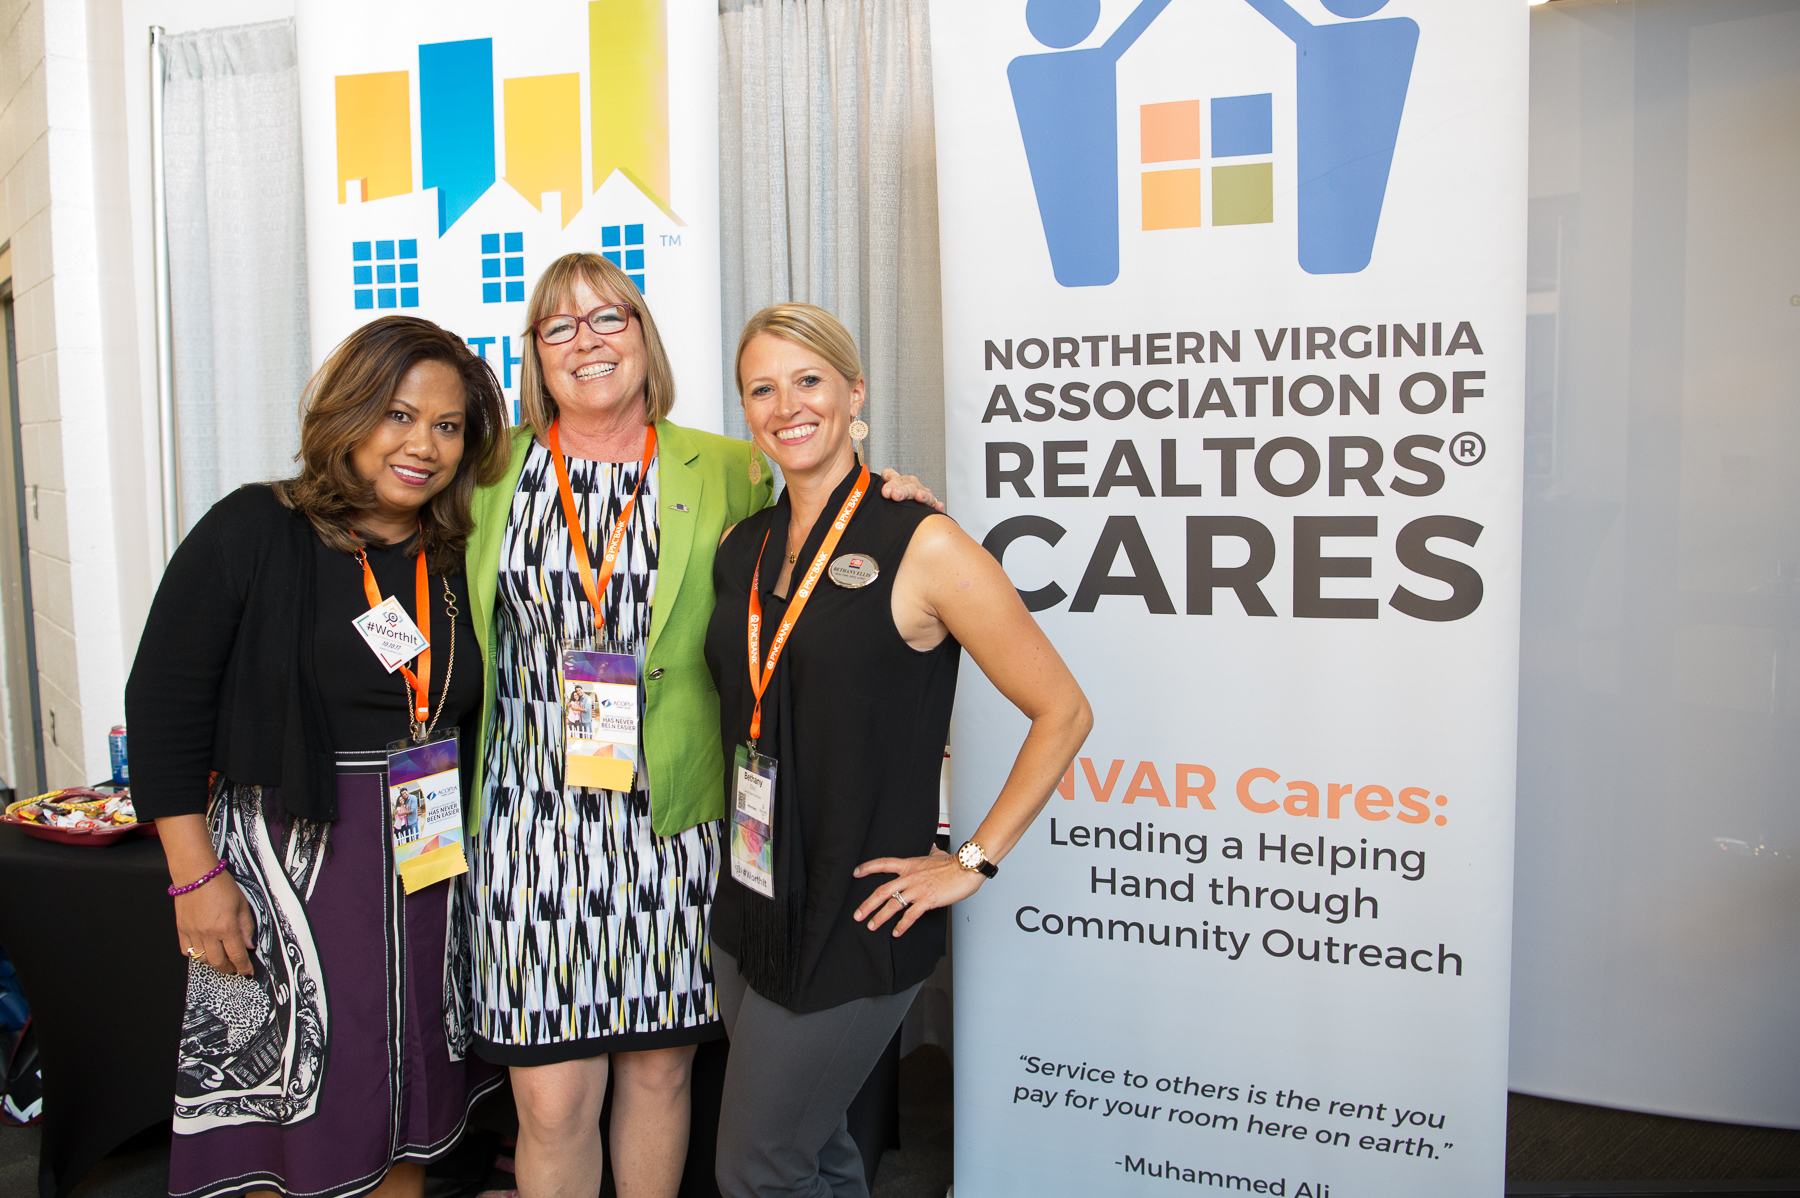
(92, 933)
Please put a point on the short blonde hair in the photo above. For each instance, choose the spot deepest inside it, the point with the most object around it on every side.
(808, 326)
(554, 289)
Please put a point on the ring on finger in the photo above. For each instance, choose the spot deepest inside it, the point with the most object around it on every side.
(900, 898)
(196, 954)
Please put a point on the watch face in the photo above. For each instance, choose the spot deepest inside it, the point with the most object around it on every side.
(969, 856)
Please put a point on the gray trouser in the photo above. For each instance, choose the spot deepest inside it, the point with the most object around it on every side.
(782, 1130)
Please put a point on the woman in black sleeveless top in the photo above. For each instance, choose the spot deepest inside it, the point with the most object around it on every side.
(881, 598)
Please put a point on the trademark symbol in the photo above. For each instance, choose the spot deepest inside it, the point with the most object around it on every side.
(1467, 448)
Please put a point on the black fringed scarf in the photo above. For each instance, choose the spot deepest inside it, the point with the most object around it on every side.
(771, 930)
(769, 935)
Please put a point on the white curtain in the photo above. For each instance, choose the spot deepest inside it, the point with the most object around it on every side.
(237, 256)
(828, 181)
(1655, 962)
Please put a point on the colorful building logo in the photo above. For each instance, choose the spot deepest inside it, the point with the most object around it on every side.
(1352, 78)
(459, 135)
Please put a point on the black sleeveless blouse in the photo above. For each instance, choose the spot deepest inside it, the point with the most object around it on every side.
(857, 720)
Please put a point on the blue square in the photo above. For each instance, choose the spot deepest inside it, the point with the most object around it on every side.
(490, 293)
(384, 298)
(515, 292)
(409, 248)
(515, 268)
(638, 282)
(634, 259)
(365, 299)
(515, 243)
(609, 235)
(613, 256)
(409, 272)
(409, 297)
(359, 251)
(384, 274)
(364, 275)
(490, 268)
(384, 249)
(1242, 125)
(634, 235)
(490, 243)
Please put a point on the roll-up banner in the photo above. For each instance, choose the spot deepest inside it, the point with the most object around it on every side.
(456, 148)
(1234, 343)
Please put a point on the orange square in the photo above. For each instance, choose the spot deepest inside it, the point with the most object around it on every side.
(1170, 132)
(1172, 199)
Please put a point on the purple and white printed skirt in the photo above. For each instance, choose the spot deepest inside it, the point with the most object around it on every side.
(345, 1052)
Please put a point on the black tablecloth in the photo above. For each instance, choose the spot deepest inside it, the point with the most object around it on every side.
(92, 933)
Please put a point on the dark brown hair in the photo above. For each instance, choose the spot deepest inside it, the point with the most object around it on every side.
(349, 397)
(555, 290)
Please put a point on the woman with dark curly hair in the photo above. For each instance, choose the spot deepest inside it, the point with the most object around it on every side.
(308, 648)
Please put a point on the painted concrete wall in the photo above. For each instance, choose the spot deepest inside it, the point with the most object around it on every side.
(75, 209)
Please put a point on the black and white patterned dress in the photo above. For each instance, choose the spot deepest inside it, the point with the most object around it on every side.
(590, 931)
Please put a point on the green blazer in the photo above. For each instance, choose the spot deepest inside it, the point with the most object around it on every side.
(703, 487)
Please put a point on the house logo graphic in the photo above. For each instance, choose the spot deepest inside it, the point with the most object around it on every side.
(1351, 81)
(459, 134)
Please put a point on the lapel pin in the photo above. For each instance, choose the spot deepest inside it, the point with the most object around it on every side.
(680, 507)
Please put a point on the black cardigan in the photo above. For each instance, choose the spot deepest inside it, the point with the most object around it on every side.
(224, 675)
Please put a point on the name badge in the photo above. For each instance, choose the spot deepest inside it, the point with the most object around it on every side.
(753, 821)
(600, 719)
(425, 804)
(854, 570)
(390, 633)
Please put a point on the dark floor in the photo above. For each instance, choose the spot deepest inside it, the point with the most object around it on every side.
(1547, 1141)
(920, 1167)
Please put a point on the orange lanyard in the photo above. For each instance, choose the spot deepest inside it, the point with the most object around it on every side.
(578, 539)
(420, 682)
(759, 673)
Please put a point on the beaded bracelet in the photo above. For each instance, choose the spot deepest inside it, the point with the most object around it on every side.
(215, 871)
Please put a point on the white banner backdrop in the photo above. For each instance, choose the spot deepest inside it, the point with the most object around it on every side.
(1234, 346)
(454, 149)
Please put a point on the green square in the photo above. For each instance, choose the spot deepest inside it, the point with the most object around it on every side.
(1244, 194)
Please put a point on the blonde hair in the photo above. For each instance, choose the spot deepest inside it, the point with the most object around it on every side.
(808, 326)
(554, 288)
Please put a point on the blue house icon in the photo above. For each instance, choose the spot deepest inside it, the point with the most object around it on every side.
(1351, 83)
(1352, 79)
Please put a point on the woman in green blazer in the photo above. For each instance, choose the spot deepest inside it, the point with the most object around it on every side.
(591, 902)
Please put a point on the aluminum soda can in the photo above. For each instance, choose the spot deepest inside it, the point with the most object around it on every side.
(115, 742)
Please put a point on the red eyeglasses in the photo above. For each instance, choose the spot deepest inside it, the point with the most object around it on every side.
(605, 320)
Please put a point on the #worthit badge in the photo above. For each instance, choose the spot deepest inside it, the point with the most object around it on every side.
(391, 634)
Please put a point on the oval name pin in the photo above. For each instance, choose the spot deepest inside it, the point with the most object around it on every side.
(854, 570)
